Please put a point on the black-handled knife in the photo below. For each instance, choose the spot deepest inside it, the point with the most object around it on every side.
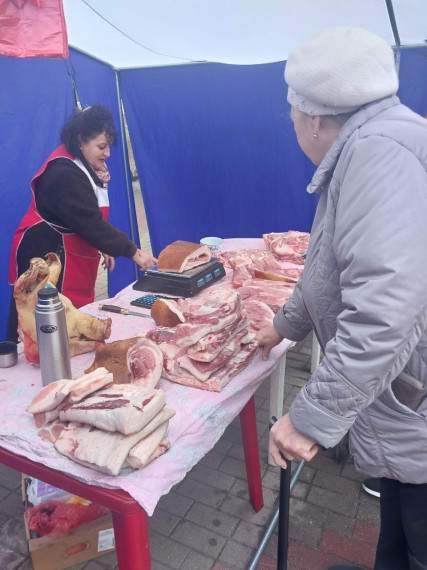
(122, 311)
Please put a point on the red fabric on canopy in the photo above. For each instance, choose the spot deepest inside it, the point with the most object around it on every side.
(33, 28)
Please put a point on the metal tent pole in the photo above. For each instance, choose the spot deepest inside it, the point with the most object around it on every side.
(129, 189)
(71, 73)
(396, 36)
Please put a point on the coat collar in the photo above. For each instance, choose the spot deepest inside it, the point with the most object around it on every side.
(326, 167)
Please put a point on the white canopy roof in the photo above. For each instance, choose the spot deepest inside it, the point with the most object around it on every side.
(141, 33)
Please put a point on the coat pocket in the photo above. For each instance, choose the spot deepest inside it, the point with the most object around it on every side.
(408, 390)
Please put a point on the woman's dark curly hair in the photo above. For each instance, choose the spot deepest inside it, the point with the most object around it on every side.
(88, 124)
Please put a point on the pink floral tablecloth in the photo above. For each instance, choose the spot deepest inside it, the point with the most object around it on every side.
(200, 420)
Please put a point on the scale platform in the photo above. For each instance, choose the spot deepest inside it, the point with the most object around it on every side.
(185, 284)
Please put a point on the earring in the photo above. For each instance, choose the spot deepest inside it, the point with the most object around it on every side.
(315, 135)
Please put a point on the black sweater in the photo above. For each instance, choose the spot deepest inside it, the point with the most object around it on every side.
(64, 196)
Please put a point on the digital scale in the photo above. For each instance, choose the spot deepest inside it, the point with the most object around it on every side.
(185, 284)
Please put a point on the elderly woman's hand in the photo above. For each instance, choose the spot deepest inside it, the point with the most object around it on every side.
(267, 339)
(286, 441)
(108, 262)
(143, 259)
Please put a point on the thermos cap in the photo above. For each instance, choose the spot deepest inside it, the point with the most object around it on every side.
(48, 293)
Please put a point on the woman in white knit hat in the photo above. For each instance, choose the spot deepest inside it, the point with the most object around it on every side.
(364, 285)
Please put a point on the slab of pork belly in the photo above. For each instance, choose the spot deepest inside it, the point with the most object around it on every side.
(258, 314)
(288, 245)
(272, 293)
(125, 408)
(51, 431)
(181, 256)
(188, 334)
(222, 376)
(209, 346)
(238, 258)
(90, 383)
(215, 305)
(203, 370)
(50, 396)
(220, 309)
(96, 448)
(43, 418)
(161, 449)
(140, 454)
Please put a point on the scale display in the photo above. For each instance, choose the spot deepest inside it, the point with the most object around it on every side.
(185, 284)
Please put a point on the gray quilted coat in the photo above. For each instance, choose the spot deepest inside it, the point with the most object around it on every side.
(364, 292)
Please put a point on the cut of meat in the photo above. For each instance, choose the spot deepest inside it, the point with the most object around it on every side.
(258, 314)
(158, 335)
(272, 293)
(220, 308)
(163, 416)
(165, 313)
(109, 452)
(222, 377)
(51, 431)
(95, 448)
(145, 362)
(125, 408)
(216, 304)
(241, 257)
(211, 338)
(170, 350)
(290, 275)
(113, 357)
(162, 448)
(89, 383)
(288, 246)
(208, 347)
(244, 266)
(188, 334)
(203, 370)
(50, 396)
(140, 454)
(181, 256)
(43, 418)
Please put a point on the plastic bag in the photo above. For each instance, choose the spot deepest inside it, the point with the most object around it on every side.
(39, 492)
(55, 517)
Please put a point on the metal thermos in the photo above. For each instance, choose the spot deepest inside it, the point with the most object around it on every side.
(52, 337)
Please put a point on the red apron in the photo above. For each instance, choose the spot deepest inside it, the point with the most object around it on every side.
(81, 259)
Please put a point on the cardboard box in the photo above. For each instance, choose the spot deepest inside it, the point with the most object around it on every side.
(84, 542)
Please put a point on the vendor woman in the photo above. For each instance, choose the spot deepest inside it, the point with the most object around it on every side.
(69, 210)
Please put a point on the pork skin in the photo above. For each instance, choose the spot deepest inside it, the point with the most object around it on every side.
(125, 408)
(181, 256)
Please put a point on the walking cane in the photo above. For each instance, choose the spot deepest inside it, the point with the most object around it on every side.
(284, 498)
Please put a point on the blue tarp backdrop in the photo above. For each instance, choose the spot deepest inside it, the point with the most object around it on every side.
(215, 151)
(213, 143)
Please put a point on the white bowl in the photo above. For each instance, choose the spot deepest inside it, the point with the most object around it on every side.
(214, 243)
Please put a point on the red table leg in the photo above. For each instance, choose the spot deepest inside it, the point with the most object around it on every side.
(250, 447)
(132, 543)
(129, 518)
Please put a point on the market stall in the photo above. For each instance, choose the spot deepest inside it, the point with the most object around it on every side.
(200, 420)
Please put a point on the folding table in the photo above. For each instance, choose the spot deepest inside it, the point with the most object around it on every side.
(200, 421)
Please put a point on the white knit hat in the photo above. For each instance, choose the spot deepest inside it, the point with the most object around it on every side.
(337, 70)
